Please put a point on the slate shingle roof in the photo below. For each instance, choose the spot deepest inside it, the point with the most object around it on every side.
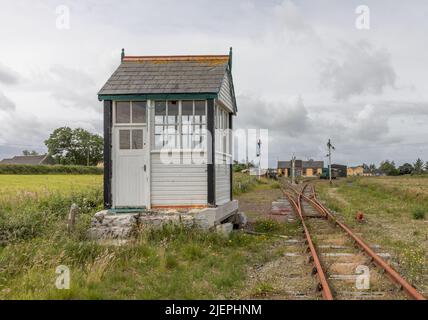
(169, 74)
(301, 164)
(30, 160)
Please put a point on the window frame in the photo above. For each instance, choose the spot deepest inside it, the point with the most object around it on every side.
(180, 133)
(130, 124)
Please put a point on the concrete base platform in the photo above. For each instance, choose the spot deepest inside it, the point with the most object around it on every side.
(109, 225)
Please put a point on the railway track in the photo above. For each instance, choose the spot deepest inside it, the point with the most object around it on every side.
(344, 265)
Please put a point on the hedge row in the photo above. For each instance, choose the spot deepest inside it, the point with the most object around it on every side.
(42, 169)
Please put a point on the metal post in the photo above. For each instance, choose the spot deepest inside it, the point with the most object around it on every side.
(293, 170)
(259, 155)
(330, 147)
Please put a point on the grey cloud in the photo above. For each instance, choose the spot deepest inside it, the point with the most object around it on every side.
(369, 124)
(6, 104)
(72, 88)
(290, 116)
(7, 75)
(291, 23)
(361, 70)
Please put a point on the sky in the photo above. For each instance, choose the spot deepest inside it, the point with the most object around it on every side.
(301, 69)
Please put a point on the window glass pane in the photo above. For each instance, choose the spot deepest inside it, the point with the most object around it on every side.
(186, 112)
(172, 129)
(137, 139)
(172, 141)
(186, 140)
(158, 141)
(172, 112)
(139, 112)
(186, 129)
(159, 129)
(123, 112)
(160, 112)
(124, 139)
(200, 115)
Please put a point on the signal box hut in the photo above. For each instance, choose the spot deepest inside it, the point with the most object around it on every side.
(165, 143)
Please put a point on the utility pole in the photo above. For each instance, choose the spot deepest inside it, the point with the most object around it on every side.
(246, 150)
(330, 147)
(293, 170)
(259, 152)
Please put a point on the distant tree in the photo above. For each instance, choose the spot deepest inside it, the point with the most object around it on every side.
(406, 168)
(75, 147)
(365, 167)
(30, 153)
(418, 166)
(388, 168)
(372, 168)
(426, 166)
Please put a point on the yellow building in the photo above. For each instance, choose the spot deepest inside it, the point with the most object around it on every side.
(355, 171)
(308, 168)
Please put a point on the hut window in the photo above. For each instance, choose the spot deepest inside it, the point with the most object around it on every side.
(180, 125)
(137, 139)
(222, 132)
(166, 124)
(131, 112)
(187, 121)
(130, 139)
(123, 112)
(199, 132)
(124, 139)
(139, 112)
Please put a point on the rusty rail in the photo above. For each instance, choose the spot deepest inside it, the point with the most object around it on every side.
(323, 285)
(393, 275)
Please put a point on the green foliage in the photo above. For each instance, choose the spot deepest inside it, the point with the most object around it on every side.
(42, 169)
(276, 185)
(238, 167)
(75, 146)
(267, 226)
(418, 166)
(413, 261)
(243, 183)
(418, 213)
(175, 262)
(389, 168)
(30, 153)
(406, 168)
(31, 217)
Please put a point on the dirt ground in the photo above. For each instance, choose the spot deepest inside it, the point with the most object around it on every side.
(285, 276)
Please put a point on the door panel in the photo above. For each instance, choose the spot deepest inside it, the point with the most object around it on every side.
(130, 175)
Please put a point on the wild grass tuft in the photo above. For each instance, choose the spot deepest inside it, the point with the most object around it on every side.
(418, 213)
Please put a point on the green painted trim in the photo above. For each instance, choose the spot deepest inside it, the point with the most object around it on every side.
(158, 96)
(126, 210)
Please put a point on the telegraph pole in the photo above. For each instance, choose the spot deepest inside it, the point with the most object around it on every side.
(330, 147)
(259, 152)
(293, 170)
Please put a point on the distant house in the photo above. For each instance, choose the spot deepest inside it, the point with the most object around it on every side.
(342, 170)
(308, 168)
(356, 171)
(30, 160)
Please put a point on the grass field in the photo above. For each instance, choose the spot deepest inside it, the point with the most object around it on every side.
(167, 264)
(35, 186)
(390, 205)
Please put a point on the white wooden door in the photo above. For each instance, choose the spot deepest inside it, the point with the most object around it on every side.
(130, 173)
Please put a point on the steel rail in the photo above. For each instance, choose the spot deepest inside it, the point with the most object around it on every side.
(393, 275)
(323, 285)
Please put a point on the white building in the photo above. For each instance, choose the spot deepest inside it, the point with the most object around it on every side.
(160, 113)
